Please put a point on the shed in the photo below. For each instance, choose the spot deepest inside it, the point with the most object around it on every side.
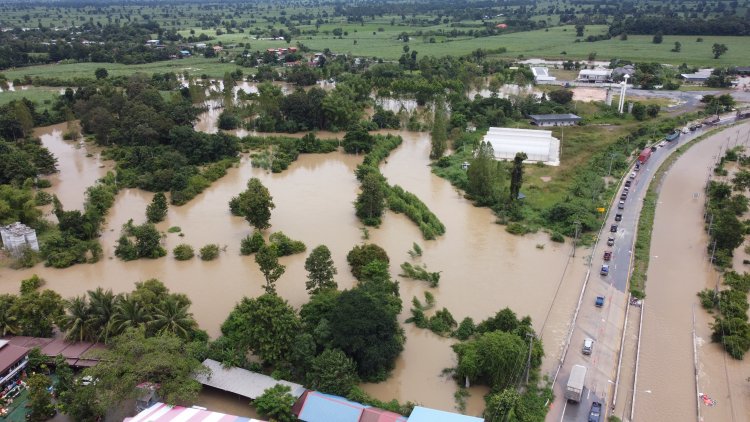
(698, 77)
(241, 381)
(539, 145)
(554, 119)
(541, 74)
(423, 414)
(742, 70)
(319, 407)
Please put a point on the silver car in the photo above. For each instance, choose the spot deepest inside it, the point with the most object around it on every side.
(588, 344)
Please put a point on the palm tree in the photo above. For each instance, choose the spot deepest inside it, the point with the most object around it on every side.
(102, 312)
(172, 316)
(8, 321)
(76, 321)
(129, 312)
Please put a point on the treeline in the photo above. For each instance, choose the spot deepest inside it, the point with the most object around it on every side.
(674, 25)
(377, 193)
(276, 153)
(730, 327)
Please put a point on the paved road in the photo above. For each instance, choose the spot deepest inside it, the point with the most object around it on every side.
(604, 324)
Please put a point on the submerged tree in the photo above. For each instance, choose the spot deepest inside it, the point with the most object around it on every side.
(439, 132)
(516, 175)
(371, 201)
(255, 204)
(268, 261)
(320, 270)
(157, 209)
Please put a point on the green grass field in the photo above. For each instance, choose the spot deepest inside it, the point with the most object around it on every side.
(36, 94)
(193, 65)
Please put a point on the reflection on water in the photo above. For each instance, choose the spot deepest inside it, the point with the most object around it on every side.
(483, 268)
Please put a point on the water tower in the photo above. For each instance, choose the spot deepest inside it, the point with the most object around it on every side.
(623, 88)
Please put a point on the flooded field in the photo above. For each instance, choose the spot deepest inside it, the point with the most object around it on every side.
(484, 269)
(679, 268)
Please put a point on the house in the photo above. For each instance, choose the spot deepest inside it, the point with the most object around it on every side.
(200, 45)
(77, 354)
(185, 53)
(538, 145)
(17, 237)
(160, 412)
(423, 414)
(501, 26)
(698, 77)
(554, 119)
(218, 48)
(13, 360)
(147, 396)
(742, 70)
(620, 71)
(595, 75)
(153, 43)
(541, 74)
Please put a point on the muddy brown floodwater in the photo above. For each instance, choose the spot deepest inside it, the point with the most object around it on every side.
(484, 269)
(678, 269)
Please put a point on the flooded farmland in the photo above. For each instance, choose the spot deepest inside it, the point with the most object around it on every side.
(484, 269)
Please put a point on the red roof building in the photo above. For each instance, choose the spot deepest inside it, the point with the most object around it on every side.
(13, 360)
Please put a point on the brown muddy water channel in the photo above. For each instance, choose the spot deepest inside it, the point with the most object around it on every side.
(484, 269)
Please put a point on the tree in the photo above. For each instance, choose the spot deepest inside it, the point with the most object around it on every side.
(579, 30)
(439, 134)
(76, 321)
(130, 312)
(157, 209)
(364, 325)
(719, 50)
(320, 270)
(484, 178)
(332, 372)
(255, 204)
(639, 111)
(64, 383)
(652, 110)
(516, 175)
(371, 201)
(266, 325)
(358, 140)
(658, 38)
(252, 244)
(101, 73)
(361, 255)
(677, 47)
(276, 403)
(134, 358)
(148, 241)
(561, 96)
(8, 320)
(209, 252)
(38, 313)
(40, 404)
(183, 252)
(173, 317)
(268, 261)
(492, 358)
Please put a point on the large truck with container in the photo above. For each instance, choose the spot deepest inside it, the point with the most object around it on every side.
(711, 120)
(574, 389)
(645, 155)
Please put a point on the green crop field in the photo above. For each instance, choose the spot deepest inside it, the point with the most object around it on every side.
(38, 95)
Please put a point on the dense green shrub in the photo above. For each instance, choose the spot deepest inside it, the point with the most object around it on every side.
(183, 252)
(252, 244)
(209, 252)
(284, 245)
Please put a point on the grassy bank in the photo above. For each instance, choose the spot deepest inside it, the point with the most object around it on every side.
(642, 247)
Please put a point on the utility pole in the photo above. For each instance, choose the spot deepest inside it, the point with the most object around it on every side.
(528, 361)
(611, 158)
(713, 250)
(575, 239)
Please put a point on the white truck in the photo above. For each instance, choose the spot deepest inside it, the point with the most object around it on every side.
(574, 390)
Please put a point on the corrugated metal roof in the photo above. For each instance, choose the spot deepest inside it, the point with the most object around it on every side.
(241, 381)
(10, 354)
(423, 414)
(554, 117)
(161, 412)
(319, 407)
(373, 414)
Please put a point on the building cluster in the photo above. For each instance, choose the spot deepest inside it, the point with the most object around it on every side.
(18, 237)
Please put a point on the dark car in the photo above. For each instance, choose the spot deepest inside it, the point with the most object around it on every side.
(607, 255)
(618, 217)
(595, 412)
(624, 196)
(628, 183)
(613, 228)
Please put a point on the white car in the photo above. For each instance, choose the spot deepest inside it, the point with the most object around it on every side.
(588, 344)
(632, 175)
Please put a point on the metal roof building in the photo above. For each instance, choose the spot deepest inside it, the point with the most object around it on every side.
(595, 75)
(539, 145)
(241, 381)
(541, 74)
(423, 414)
(75, 353)
(554, 119)
(319, 407)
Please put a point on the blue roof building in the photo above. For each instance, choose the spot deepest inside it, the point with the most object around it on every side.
(423, 414)
(319, 407)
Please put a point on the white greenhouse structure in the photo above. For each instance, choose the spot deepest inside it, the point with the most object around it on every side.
(539, 145)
